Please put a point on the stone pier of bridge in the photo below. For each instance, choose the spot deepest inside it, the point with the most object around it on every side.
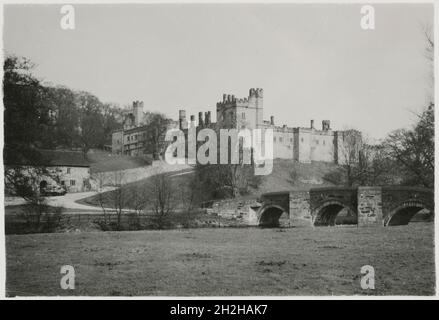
(369, 206)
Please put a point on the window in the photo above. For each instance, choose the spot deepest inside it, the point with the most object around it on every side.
(243, 115)
(274, 139)
(301, 139)
(291, 139)
(63, 183)
(317, 141)
(128, 138)
(280, 139)
(68, 170)
(323, 142)
(72, 182)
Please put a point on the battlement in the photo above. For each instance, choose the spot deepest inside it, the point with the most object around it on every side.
(230, 100)
(137, 104)
(303, 144)
(134, 116)
(256, 92)
(203, 120)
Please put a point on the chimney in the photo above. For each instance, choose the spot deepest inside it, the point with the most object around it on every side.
(312, 124)
(207, 118)
(192, 121)
(200, 119)
(272, 120)
(224, 97)
(326, 125)
(182, 119)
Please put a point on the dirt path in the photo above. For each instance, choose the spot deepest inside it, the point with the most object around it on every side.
(67, 201)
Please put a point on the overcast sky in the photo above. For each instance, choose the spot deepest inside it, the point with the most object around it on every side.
(313, 61)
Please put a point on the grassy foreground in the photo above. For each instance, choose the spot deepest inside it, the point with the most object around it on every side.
(225, 261)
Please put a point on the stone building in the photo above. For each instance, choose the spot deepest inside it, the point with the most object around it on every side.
(131, 139)
(302, 144)
(69, 169)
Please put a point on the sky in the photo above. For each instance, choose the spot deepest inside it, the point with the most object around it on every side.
(313, 61)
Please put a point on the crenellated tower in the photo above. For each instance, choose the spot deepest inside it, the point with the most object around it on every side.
(237, 113)
(138, 112)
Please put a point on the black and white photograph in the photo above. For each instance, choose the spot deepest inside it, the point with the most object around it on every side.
(214, 150)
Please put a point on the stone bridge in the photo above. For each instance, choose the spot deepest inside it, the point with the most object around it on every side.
(370, 206)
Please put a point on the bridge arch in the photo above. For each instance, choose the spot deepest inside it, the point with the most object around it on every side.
(269, 215)
(403, 213)
(326, 214)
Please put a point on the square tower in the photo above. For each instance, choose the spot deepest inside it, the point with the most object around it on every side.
(241, 113)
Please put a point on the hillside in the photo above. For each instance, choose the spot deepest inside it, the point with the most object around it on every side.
(290, 175)
(103, 161)
(286, 175)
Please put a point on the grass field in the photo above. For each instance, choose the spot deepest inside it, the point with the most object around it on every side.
(225, 261)
(102, 161)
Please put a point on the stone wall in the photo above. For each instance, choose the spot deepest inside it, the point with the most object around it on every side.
(300, 205)
(245, 210)
(345, 196)
(111, 178)
(370, 202)
(393, 197)
(367, 206)
(322, 146)
(281, 199)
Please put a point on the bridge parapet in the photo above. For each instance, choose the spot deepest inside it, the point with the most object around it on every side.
(401, 203)
(327, 203)
(367, 206)
(281, 199)
(320, 196)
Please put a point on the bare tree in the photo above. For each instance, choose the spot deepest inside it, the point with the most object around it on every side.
(112, 200)
(118, 196)
(429, 48)
(156, 127)
(350, 146)
(138, 202)
(138, 198)
(161, 198)
(100, 178)
(24, 182)
(413, 149)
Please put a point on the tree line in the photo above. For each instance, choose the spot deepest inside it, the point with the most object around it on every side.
(39, 115)
(404, 157)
